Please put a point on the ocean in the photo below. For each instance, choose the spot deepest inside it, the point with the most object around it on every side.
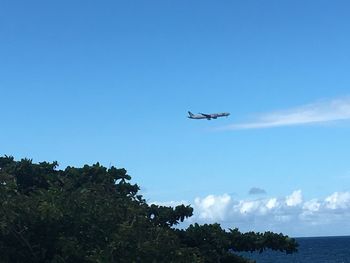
(311, 250)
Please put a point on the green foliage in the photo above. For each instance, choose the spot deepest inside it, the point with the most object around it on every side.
(94, 214)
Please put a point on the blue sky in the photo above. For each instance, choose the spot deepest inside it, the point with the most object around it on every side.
(111, 81)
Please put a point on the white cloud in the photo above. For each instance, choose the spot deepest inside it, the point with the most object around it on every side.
(312, 205)
(289, 214)
(294, 199)
(171, 203)
(246, 207)
(321, 112)
(272, 203)
(213, 207)
(338, 200)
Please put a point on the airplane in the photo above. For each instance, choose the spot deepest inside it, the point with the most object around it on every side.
(207, 116)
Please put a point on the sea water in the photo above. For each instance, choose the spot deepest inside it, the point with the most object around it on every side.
(310, 250)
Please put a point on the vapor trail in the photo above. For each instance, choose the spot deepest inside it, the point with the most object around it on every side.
(321, 112)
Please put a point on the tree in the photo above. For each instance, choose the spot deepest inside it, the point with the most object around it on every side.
(94, 214)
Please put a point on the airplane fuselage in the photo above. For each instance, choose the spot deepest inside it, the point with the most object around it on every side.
(207, 116)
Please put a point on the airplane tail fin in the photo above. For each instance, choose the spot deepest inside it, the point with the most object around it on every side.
(190, 114)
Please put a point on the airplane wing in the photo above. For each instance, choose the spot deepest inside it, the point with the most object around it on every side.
(206, 115)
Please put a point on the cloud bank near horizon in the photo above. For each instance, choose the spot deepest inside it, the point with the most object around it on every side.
(290, 214)
(316, 113)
